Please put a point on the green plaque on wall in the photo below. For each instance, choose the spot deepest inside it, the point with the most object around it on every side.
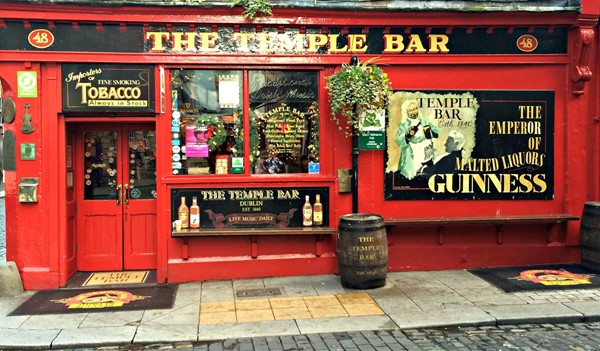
(27, 152)
(371, 140)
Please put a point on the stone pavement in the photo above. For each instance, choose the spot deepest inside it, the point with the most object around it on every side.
(307, 305)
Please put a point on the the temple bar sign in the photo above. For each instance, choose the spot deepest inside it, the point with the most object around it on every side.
(201, 38)
(309, 43)
(375, 40)
(108, 88)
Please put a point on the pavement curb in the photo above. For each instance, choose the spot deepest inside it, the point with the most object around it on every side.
(10, 280)
(410, 302)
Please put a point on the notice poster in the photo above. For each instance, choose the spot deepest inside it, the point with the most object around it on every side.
(196, 141)
(470, 145)
(229, 91)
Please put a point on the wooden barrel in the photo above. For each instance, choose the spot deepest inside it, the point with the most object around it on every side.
(589, 235)
(362, 251)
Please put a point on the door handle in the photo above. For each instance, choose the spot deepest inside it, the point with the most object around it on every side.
(119, 195)
(126, 191)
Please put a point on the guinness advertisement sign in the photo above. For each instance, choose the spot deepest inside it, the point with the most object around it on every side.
(459, 145)
(101, 88)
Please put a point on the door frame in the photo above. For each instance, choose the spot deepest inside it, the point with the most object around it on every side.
(122, 214)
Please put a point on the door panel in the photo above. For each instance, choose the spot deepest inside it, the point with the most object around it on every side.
(139, 227)
(140, 240)
(100, 216)
(99, 241)
(117, 207)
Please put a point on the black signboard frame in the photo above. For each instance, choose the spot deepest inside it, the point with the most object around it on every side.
(135, 38)
(108, 88)
(246, 208)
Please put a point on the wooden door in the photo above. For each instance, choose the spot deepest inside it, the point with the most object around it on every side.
(116, 182)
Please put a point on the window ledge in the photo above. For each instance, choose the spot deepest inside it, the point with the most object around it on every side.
(254, 231)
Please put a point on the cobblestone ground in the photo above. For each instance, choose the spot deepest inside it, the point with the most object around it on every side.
(550, 337)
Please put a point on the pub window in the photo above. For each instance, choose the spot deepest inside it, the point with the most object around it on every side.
(207, 126)
(208, 118)
(284, 121)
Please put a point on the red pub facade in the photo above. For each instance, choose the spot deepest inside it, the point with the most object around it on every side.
(188, 139)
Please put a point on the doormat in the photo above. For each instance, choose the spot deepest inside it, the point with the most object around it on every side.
(98, 300)
(547, 277)
(116, 278)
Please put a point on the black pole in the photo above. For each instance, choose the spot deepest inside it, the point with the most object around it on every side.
(354, 170)
(354, 62)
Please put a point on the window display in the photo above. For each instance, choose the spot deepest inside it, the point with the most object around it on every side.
(284, 136)
(207, 125)
(208, 114)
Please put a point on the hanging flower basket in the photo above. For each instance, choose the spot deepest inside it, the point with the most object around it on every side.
(357, 92)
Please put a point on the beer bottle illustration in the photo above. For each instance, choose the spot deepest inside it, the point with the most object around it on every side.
(194, 214)
(318, 211)
(307, 213)
(184, 214)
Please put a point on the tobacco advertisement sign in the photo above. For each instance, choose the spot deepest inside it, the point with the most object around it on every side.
(108, 88)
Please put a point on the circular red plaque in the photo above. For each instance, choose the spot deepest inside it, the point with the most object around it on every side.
(41, 38)
(527, 43)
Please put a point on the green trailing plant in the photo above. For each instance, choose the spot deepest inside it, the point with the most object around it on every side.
(256, 119)
(357, 92)
(254, 8)
(313, 148)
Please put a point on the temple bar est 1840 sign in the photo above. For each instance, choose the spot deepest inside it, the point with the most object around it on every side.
(470, 145)
(108, 88)
(250, 207)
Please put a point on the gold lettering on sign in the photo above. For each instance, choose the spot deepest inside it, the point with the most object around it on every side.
(515, 127)
(288, 194)
(264, 42)
(213, 195)
(107, 93)
(477, 164)
(96, 91)
(527, 125)
(366, 252)
(394, 43)
(251, 203)
(250, 194)
(487, 183)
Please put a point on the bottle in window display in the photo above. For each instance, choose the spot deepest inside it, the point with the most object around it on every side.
(318, 211)
(307, 213)
(194, 214)
(184, 214)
